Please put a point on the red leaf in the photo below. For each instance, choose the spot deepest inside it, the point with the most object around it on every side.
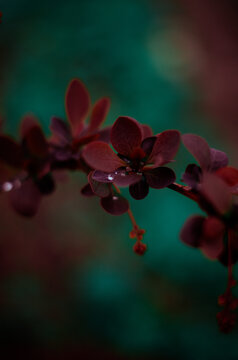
(216, 192)
(139, 190)
(60, 130)
(100, 156)
(36, 142)
(28, 122)
(119, 177)
(26, 199)
(115, 204)
(99, 113)
(160, 177)
(199, 148)
(212, 242)
(229, 174)
(191, 232)
(146, 131)
(87, 191)
(77, 104)
(219, 159)
(126, 135)
(99, 188)
(165, 147)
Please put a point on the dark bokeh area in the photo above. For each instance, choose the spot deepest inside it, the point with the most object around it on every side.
(71, 286)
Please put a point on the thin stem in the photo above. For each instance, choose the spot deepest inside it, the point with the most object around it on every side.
(132, 218)
(117, 189)
(184, 190)
(138, 233)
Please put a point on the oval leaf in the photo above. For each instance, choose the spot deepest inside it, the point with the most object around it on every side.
(36, 143)
(212, 241)
(126, 135)
(216, 191)
(191, 232)
(77, 105)
(100, 156)
(219, 159)
(100, 189)
(199, 148)
(60, 130)
(160, 177)
(26, 199)
(139, 190)
(115, 204)
(99, 113)
(165, 147)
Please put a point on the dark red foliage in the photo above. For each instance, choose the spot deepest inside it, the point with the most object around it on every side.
(208, 233)
(209, 159)
(230, 176)
(114, 204)
(68, 138)
(30, 165)
(139, 160)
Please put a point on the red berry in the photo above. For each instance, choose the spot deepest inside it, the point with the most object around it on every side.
(221, 300)
(139, 248)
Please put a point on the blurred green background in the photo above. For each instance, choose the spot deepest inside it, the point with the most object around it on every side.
(71, 285)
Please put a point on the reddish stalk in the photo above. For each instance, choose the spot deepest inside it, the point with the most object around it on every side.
(136, 233)
(184, 190)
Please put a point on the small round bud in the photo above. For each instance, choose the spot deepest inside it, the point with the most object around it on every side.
(132, 234)
(221, 300)
(226, 320)
(139, 248)
(234, 304)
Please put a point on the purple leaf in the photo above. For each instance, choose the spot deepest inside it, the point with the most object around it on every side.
(216, 191)
(28, 122)
(61, 130)
(100, 156)
(36, 143)
(104, 134)
(99, 113)
(160, 177)
(148, 144)
(192, 175)
(139, 190)
(120, 177)
(165, 147)
(26, 199)
(77, 104)
(102, 176)
(230, 175)
(100, 189)
(199, 148)
(191, 232)
(115, 204)
(146, 131)
(126, 135)
(219, 159)
(87, 191)
(212, 242)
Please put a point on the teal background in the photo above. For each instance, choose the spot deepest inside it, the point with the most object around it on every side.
(70, 282)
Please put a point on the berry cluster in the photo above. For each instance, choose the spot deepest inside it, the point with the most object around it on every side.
(137, 160)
